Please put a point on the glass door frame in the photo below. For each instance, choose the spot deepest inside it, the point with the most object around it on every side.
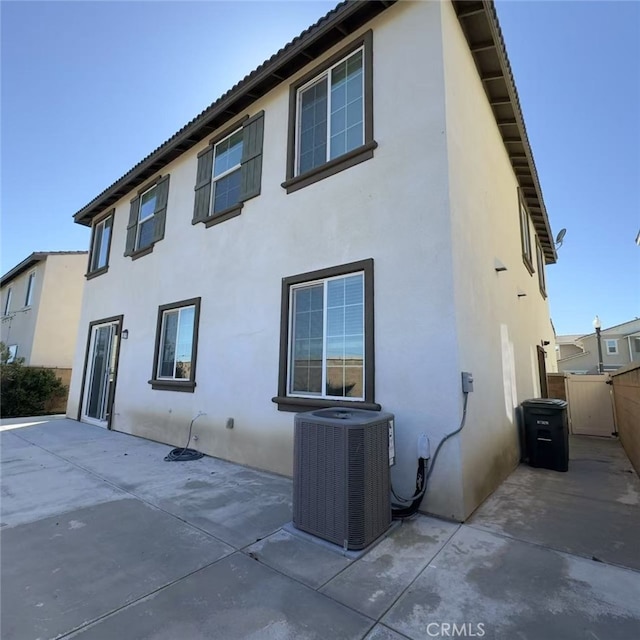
(88, 364)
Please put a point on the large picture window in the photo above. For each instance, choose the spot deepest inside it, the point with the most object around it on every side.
(331, 116)
(331, 113)
(327, 338)
(176, 346)
(326, 354)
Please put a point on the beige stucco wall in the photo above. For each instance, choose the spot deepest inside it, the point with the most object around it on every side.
(46, 331)
(56, 332)
(497, 332)
(430, 213)
(19, 324)
(566, 350)
(392, 208)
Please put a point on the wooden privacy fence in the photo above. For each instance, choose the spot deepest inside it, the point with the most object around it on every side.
(590, 405)
(626, 397)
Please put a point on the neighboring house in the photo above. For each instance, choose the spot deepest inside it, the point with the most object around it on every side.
(620, 346)
(41, 299)
(354, 224)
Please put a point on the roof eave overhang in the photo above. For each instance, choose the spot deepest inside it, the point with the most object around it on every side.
(481, 28)
(328, 31)
(26, 264)
(480, 25)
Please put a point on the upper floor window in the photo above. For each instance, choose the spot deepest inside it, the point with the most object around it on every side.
(541, 274)
(100, 245)
(226, 173)
(525, 233)
(229, 171)
(28, 299)
(174, 365)
(612, 347)
(327, 334)
(331, 116)
(7, 302)
(636, 345)
(147, 216)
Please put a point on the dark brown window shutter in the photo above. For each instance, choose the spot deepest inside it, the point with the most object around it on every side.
(132, 227)
(253, 134)
(203, 186)
(160, 214)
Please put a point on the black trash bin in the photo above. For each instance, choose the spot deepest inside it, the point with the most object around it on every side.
(547, 433)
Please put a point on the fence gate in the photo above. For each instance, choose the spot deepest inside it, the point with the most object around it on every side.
(590, 405)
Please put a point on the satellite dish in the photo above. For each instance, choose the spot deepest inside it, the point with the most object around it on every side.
(560, 237)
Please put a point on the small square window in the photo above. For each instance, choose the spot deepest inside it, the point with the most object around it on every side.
(612, 347)
(174, 365)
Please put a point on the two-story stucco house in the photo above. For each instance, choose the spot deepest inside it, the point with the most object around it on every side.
(41, 299)
(355, 223)
(620, 346)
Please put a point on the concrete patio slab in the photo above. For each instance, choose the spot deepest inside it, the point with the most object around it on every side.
(237, 598)
(42, 484)
(373, 584)
(380, 632)
(59, 431)
(87, 552)
(64, 571)
(10, 444)
(591, 510)
(308, 562)
(517, 590)
(239, 508)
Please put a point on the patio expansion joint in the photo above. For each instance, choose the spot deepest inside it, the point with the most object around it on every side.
(133, 495)
(571, 494)
(446, 542)
(146, 596)
(549, 548)
(304, 584)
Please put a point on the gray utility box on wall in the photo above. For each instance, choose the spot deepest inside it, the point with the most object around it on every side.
(341, 475)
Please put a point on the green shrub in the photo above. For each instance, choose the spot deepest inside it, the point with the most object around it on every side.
(26, 391)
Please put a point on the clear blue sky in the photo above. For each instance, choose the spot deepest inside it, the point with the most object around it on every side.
(90, 88)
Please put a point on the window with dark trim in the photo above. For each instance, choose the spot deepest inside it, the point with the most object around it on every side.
(176, 346)
(7, 302)
(100, 246)
(147, 218)
(331, 116)
(12, 352)
(229, 171)
(326, 339)
(525, 233)
(540, 262)
(28, 299)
